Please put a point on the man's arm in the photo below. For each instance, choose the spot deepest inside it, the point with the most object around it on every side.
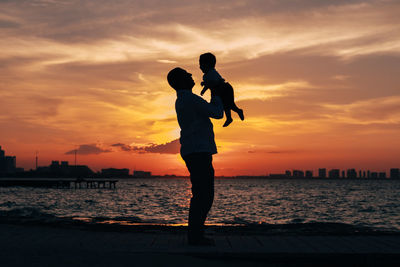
(214, 109)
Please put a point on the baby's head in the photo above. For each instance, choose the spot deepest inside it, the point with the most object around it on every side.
(207, 62)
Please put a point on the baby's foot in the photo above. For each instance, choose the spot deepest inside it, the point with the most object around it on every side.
(227, 122)
(240, 113)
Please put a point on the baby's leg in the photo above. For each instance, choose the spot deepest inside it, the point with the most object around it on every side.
(238, 111)
(230, 99)
(228, 116)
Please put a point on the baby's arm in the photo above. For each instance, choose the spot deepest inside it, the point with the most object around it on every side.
(205, 88)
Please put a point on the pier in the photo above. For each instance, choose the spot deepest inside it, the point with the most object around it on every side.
(75, 183)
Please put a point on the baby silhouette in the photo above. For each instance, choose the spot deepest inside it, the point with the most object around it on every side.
(212, 80)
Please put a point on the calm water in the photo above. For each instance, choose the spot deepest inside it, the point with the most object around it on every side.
(239, 201)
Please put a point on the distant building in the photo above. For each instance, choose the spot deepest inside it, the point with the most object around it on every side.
(112, 172)
(309, 174)
(395, 173)
(288, 173)
(334, 173)
(322, 173)
(64, 164)
(298, 174)
(359, 174)
(382, 175)
(7, 163)
(351, 174)
(343, 174)
(141, 174)
(55, 165)
(374, 175)
(368, 174)
(55, 169)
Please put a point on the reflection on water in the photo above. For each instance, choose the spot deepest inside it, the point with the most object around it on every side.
(237, 202)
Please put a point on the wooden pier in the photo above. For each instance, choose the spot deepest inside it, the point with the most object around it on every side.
(76, 183)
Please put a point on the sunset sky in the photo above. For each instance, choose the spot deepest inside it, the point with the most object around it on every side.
(319, 82)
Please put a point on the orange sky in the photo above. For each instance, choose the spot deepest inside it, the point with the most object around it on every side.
(319, 82)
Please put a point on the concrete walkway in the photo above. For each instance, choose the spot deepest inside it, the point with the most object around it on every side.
(48, 246)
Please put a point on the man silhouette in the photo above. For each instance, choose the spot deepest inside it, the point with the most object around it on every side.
(197, 147)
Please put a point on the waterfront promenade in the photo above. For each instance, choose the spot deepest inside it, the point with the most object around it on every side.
(23, 245)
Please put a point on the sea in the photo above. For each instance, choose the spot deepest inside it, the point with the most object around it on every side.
(241, 202)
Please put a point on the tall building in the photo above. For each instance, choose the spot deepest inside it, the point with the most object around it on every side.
(351, 173)
(298, 174)
(395, 173)
(288, 173)
(322, 173)
(8, 164)
(309, 174)
(334, 173)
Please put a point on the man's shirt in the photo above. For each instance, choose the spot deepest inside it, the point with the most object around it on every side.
(194, 114)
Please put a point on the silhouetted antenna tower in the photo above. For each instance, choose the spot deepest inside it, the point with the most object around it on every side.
(36, 159)
(75, 152)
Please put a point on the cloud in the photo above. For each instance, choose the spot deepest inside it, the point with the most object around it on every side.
(172, 147)
(114, 33)
(272, 151)
(382, 110)
(88, 149)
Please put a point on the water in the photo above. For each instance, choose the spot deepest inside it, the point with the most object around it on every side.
(373, 203)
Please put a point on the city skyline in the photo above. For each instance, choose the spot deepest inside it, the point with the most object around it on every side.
(57, 165)
(318, 82)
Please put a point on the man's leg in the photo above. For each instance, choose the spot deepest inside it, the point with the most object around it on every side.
(202, 179)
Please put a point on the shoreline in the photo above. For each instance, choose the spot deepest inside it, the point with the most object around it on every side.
(307, 229)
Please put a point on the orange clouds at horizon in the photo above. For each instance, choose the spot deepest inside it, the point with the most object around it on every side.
(319, 82)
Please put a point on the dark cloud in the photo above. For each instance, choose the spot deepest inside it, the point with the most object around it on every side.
(123, 147)
(88, 149)
(172, 147)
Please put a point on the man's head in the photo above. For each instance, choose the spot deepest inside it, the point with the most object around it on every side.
(180, 79)
(207, 62)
